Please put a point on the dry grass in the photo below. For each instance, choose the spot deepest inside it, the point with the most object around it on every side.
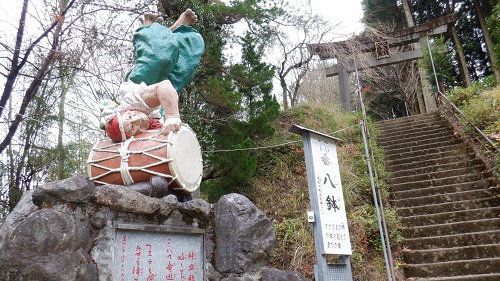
(280, 190)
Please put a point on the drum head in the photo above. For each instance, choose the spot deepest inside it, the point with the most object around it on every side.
(187, 165)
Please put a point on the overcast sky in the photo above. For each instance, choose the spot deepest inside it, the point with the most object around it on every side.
(346, 12)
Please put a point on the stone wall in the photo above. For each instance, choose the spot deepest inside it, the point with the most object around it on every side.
(65, 230)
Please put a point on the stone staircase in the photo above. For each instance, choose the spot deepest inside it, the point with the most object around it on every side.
(448, 202)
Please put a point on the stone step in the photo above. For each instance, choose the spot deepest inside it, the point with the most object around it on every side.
(423, 132)
(405, 148)
(445, 189)
(408, 122)
(419, 143)
(412, 135)
(451, 217)
(428, 153)
(411, 118)
(452, 228)
(469, 177)
(453, 240)
(436, 167)
(433, 157)
(437, 175)
(474, 277)
(432, 162)
(388, 142)
(446, 199)
(415, 120)
(452, 254)
(430, 198)
(395, 130)
(454, 268)
(420, 120)
(448, 207)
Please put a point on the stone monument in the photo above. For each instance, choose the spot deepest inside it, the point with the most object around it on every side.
(74, 230)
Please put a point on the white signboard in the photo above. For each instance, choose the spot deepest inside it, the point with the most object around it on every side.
(330, 198)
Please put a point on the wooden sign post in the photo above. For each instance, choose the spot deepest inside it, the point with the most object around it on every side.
(328, 215)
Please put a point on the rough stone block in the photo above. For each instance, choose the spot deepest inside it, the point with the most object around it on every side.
(245, 237)
(120, 198)
(71, 190)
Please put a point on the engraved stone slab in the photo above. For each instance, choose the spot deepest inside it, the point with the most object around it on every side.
(153, 252)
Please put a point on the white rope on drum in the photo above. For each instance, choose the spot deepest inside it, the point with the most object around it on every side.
(124, 170)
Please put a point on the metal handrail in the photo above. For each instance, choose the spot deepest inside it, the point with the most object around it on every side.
(470, 122)
(382, 224)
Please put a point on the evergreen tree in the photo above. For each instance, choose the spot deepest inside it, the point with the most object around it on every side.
(230, 106)
(377, 13)
(258, 108)
(494, 24)
(468, 29)
(442, 55)
(463, 56)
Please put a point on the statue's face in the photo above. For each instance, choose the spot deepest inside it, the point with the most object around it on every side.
(135, 122)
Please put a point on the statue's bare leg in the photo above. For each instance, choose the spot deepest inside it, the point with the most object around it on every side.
(187, 18)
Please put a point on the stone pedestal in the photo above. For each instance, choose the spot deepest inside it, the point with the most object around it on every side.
(67, 230)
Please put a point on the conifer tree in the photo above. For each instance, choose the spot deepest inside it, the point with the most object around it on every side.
(378, 13)
(229, 106)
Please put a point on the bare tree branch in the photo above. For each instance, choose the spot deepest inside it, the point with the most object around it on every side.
(42, 71)
(16, 65)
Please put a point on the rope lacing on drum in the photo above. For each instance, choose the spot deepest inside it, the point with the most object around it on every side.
(124, 154)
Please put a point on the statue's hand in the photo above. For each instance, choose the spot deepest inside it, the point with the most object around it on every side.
(172, 124)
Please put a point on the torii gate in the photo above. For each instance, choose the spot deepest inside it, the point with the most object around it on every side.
(382, 57)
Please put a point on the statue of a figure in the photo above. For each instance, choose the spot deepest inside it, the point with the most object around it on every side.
(153, 163)
(165, 61)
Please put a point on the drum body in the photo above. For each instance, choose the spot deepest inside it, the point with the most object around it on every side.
(177, 157)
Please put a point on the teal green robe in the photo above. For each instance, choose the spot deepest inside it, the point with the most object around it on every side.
(161, 54)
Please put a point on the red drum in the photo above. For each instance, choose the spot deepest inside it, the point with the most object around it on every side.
(177, 157)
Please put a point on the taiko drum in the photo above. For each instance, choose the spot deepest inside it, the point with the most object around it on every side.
(177, 157)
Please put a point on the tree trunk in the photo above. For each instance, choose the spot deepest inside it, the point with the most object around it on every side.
(14, 70)
(60, 145)
(464, 70)
(61, 157)
(487, 39)
(285, 96)
(13, 196)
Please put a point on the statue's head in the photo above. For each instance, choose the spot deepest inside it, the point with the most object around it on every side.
(127, 123)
